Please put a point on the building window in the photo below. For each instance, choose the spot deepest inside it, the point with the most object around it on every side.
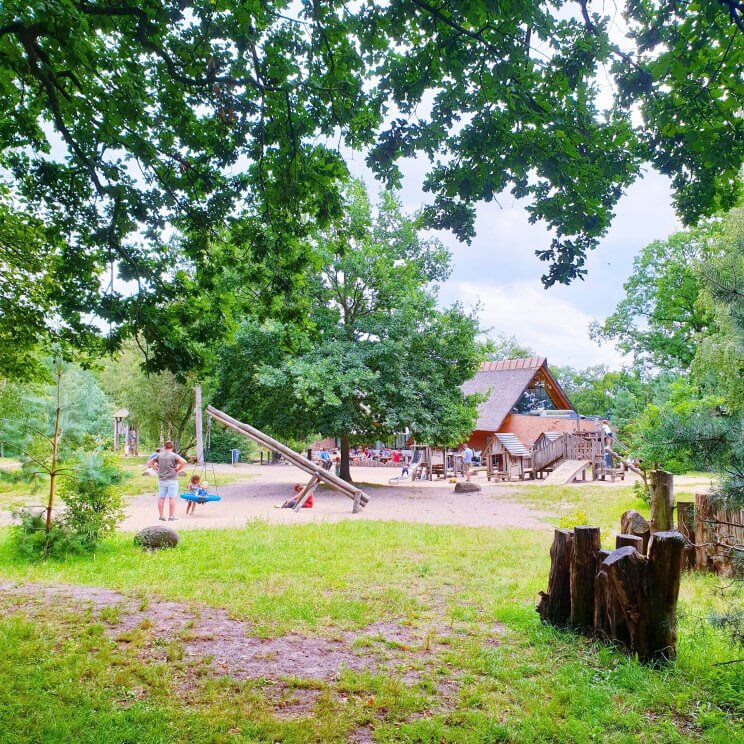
(534, 398)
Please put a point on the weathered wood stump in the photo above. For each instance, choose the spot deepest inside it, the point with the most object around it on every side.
(646, 591)
(633, 541)
(686, 527)
(661, 485)
(583, 570)
(633, 522)
(154, 538)
(466, 487)
(554, 606)
(621, 595)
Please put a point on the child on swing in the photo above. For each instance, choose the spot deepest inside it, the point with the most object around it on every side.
(197, 488)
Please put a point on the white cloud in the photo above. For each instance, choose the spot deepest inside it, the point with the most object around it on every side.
(554, 327)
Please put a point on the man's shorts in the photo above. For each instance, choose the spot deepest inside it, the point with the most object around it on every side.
(168, 489)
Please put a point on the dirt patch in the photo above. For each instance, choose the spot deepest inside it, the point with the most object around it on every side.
(227, 646)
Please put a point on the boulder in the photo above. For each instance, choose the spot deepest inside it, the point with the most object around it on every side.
(157, 537)
(466, 487)
(634, 523)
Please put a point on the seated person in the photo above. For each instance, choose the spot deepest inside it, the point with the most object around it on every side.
(199, 489)
(291, 503)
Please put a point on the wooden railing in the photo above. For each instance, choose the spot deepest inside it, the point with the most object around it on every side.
(549, 453)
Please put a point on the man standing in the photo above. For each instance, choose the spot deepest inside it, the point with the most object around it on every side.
(169, 465)
(467, 459)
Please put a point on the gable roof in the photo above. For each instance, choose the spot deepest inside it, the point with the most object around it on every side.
(504, 381)
(512, 444)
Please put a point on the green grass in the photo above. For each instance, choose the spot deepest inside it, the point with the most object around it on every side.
(63, 680)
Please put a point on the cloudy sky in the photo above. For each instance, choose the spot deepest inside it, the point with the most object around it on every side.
(500, 270)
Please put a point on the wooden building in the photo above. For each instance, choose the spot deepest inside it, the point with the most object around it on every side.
(524, 410)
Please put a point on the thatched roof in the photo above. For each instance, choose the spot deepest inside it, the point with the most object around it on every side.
(503, 381)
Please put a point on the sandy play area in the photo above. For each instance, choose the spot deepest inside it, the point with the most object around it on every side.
(265, 486)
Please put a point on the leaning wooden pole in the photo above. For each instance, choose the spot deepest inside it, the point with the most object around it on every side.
(298, 460)
(198, 423)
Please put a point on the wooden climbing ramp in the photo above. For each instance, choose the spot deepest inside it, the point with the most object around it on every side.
(567, 472)
(319, 475)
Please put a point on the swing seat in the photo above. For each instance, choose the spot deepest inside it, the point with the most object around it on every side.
(196, 498)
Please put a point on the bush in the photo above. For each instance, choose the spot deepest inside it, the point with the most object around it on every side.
(222, 441)
(94, 506)
(32, 541)
(573, 519)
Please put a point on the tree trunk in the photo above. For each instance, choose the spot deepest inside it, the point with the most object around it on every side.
(345, 471)
(662, 501)
(634, 541)
(583, 570)
(55, 450)
(554, 606)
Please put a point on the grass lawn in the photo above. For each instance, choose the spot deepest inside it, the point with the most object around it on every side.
(485, 670)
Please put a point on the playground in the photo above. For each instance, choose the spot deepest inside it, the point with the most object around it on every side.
(260, 488)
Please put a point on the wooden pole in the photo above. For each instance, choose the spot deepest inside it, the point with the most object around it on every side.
(662, 501)
(198, 423)
(583, 571)
(665, 554)
(554, 606)
(602, 599)
(686, 527)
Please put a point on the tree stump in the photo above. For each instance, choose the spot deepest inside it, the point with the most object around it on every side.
(665, 556)
(662, 501)
(646, 591)
(554, 606)
(602, 599)
(686, 527)
(583, 570)
(634, 541)
(156, 537)
(634, 523)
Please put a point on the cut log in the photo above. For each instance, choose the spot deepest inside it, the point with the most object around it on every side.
(602, 599)
(634, 541)
(554, 605)
(662, 501)
(665, 554)
(583, 571)
(686, 527)
(634, 523)
(627, 573)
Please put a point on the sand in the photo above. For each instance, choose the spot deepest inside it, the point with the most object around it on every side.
(423, 502)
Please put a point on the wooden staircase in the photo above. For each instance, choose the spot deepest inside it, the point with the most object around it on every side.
(567, 472)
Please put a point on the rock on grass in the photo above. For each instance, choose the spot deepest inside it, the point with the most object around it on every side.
(157, 537)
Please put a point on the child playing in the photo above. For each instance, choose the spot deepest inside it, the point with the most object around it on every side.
(291, 503)
(199, 489)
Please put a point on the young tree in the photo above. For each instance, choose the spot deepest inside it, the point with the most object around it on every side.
(375, 356)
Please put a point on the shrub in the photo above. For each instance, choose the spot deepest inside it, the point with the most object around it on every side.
(32, 541)
(573, 519)
(94, 506)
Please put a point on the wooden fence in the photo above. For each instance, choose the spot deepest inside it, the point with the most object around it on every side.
(717, 534)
